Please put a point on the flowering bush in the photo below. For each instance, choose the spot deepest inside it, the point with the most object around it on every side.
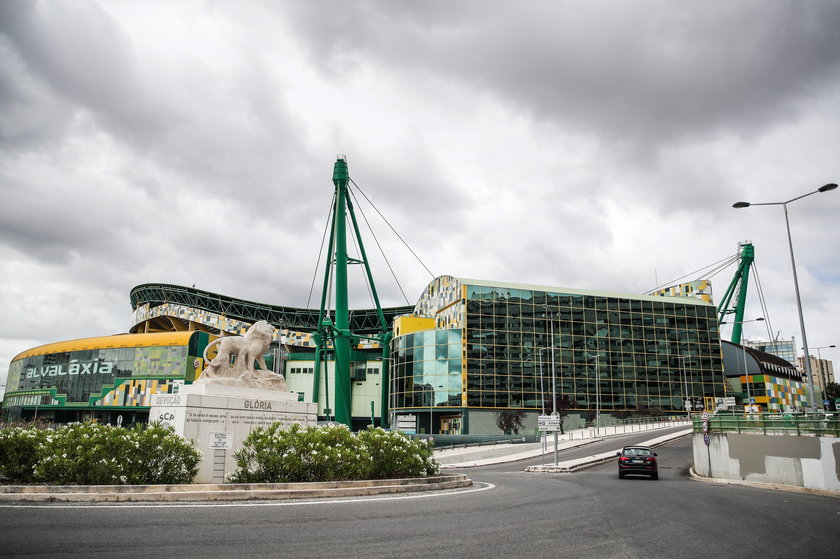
(93, 454)
(160, 456)
(20, 451)
(393, 455)
(272, 455)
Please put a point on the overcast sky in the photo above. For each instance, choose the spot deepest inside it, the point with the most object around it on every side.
(594, 145)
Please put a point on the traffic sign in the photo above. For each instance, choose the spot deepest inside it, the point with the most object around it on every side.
(706, 438)
(549, 422)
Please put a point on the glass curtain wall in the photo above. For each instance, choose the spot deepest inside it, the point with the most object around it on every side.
(631, 354)
(80, 374)
(426, 369)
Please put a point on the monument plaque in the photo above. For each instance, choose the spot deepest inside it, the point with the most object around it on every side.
(231, 399)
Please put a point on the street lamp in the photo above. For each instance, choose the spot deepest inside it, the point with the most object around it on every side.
(738, 205)
(688, 403)
(597, 383)
(744, 351)
(542, 389)
(820, 367)
(553, 383)
(597, 396)
(819, 356)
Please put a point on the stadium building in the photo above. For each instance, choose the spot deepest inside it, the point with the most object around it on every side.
(467, 351)
(473, 348)
(109, 379)
(767, 380)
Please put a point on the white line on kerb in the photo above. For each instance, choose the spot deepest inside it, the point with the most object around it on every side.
(485, 486)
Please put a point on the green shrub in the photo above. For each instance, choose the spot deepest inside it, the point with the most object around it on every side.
(82, 454)
(20, 451)
(393, 455)
(160, 456)
(273, 455)
(93, 454)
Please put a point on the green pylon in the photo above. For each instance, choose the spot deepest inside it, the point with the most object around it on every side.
(338, 331)
(341, 339)
(738, 284)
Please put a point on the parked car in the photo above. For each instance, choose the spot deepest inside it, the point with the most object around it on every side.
(637, 460)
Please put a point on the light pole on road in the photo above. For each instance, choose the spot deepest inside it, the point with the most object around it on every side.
(738, 205)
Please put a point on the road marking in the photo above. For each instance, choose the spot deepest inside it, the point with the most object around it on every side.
(215, 504)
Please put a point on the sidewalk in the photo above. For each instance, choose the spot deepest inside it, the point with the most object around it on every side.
(471, 457)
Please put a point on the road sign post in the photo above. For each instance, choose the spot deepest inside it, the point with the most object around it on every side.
(548, 424)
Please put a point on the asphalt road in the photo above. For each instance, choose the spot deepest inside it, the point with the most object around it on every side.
(510, 513)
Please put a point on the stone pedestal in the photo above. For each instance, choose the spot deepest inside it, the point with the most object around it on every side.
(219, 418)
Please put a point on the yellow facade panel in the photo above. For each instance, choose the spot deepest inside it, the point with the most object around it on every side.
(408, 324)
(104, 342)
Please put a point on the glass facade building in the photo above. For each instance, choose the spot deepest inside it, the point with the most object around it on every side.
(786, 349)
(101, 377)
(498, 346)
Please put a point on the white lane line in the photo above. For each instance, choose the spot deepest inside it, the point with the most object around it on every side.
(54, 506)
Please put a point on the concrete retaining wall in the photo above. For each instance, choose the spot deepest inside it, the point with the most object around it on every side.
(810, 462)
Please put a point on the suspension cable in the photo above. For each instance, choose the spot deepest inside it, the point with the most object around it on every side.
(765, 312)
(392, 228)
(720, 265)
(382, 252)
(320, 252)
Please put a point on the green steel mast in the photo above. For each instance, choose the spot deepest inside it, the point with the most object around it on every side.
(338, 333)
(739, 281)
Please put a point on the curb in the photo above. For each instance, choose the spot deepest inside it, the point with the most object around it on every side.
(564, 445)
(761, 485)
(515, 457)
(595, 459)
(226, 492)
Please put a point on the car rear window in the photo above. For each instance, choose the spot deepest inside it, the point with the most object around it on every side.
(636, 452)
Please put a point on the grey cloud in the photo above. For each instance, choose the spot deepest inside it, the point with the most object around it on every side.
(642, 73)
(77, 48)
(233, 136)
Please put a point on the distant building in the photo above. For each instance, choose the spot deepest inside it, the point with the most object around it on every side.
(699, 289)
(772, 382)
(822, 369)
(786, 349)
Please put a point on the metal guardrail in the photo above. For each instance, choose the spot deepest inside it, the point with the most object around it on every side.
(812, 424)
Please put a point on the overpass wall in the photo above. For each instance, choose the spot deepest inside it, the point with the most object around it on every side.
(811, 462)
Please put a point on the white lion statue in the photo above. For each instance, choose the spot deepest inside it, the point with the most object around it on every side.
(245, 350)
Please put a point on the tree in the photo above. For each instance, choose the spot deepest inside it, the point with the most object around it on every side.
(561, 406)
(511, 421)
(832, 392)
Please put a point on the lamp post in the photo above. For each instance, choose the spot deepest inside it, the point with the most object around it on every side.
(553, 384)
(597, 396)
(597, 384)
(542, 389)
(819, 356)
(738, 205)
(744, 351)
(820, 367)
(688, 402)
(431, 408)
